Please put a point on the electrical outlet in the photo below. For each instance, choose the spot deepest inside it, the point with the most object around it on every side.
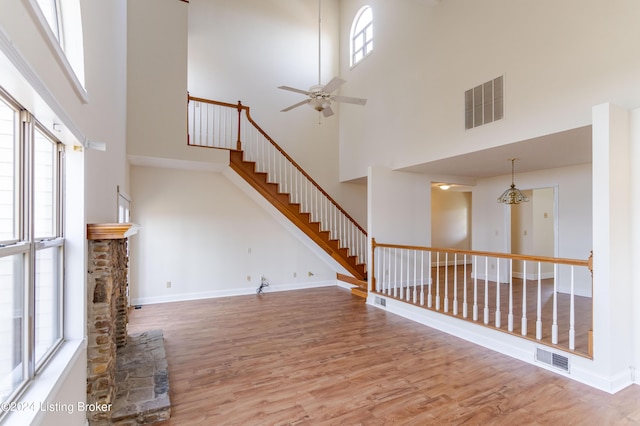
(168, 284)
(295, 274)
(248, 277)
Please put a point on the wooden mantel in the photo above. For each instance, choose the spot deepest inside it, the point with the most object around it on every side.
(111, 231)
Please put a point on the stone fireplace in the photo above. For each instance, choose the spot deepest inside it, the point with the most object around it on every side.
(113, 381)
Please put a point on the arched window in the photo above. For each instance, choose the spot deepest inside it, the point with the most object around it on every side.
(361, 35)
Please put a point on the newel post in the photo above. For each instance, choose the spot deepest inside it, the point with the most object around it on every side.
(372, 263)
(239, 146)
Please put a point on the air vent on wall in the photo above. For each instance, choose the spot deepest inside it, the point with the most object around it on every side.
(484, 103)
(554, 360)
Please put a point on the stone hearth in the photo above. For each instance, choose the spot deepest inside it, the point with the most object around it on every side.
(142, 381)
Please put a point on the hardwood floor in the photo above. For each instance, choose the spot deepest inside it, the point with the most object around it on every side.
(321, 356)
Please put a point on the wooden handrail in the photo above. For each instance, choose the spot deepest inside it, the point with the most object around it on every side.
(241, 107)
(558, 260)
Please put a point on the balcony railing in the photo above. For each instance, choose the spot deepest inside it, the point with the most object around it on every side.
(546, 299)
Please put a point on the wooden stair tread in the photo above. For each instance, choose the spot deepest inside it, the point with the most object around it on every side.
(282, 201)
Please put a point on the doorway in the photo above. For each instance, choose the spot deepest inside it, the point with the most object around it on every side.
(533, 225)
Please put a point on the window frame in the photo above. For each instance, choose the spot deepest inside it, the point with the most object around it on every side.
(66, 30)
(360, 31)
(27, 246)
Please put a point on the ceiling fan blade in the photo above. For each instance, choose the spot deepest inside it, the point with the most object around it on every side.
(293, 89)
(333, 84)
(327, 111)
(306, 101)
(349, 100)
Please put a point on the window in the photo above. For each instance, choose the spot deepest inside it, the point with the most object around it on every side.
(50, 10)
(31, 246)
(62, 26)
(361, 35)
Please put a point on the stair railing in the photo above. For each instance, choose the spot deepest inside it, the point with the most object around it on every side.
(223, 125)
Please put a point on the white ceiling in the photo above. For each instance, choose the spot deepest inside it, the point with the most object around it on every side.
(571, 147)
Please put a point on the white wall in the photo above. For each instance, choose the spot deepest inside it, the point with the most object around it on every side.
(399, 207)
(559, 59)
(157, 82)
(245, 50)
(634, 158)
(450, 219)
(208, 238)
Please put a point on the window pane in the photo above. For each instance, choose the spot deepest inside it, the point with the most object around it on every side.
(8, 224)
(50, 11)
(47, 315)
(11, 321)
(44, 186)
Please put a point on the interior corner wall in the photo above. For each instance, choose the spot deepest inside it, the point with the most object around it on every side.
(157, 82)
(399, 207)
(207, 238)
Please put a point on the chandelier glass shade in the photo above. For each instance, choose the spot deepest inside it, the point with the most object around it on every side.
(512, 195)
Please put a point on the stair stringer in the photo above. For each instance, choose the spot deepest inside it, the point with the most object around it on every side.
(279, 217)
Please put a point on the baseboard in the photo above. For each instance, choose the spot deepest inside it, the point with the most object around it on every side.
(582, 370)
(183, 297)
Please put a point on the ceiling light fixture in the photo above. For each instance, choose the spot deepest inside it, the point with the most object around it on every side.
(444, 186)
(512, 195)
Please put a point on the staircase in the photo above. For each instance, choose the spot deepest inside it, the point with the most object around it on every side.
(270, 171)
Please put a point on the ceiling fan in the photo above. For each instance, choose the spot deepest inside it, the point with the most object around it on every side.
(320, 97)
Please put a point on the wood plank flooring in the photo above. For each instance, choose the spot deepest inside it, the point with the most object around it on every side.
(323, 357)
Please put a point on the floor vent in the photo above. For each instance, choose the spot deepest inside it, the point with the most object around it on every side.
(380, 301)
(554, 360)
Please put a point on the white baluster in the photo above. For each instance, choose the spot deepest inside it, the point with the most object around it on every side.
(408, 294)
(437, 281)
(421, 277)
(510, 316)
(524, 299)
(465, 305)
(415, 278)
(539, 305)
(498, 311)
(486, 290)
(455, 284)
(401, 269)
(572, 314)
(446, 282)
(475, 288)
(554, 326)
(429, 283)
(395, 273)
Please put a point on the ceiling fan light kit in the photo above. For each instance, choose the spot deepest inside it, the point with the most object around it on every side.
(321, 97)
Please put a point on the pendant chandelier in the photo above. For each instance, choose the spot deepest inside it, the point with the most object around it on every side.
(512, 195)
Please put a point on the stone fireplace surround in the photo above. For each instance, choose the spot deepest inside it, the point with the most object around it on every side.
(135, 392)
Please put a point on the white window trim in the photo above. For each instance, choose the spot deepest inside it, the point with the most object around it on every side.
(13, 62)
(56, 50)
